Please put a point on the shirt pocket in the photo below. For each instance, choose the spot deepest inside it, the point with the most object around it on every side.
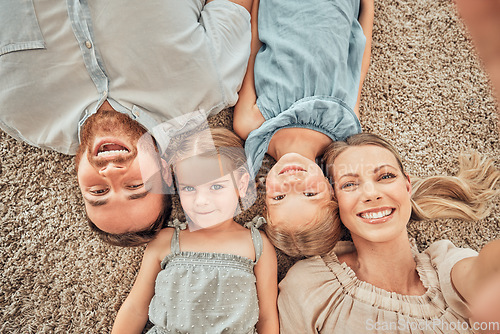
(19, 28)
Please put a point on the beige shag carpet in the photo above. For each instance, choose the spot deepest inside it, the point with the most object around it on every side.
(426, 91)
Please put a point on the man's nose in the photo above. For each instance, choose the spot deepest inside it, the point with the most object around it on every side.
(112, 169)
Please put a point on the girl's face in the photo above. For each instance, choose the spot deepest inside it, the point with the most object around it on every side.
(208, 201)
(295, 190)
(372, 192)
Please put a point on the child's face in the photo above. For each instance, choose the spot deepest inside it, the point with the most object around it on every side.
(295, 190)
(205, 200)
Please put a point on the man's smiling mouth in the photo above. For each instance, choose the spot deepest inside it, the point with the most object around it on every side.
(110, 149)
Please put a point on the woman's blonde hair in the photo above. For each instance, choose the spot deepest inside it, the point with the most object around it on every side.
(465, 196)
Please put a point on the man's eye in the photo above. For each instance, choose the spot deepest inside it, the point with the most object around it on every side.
(309, 194)
(99, 191)
(216, 187)
(187, 188)
(136, 186)
(279, 197)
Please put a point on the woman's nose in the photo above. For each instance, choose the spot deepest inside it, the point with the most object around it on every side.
(370, 192)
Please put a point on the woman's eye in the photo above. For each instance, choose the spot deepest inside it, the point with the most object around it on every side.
(187, 188)
(307, 194)
(279, 197)
(387, 176)
(348, 186)
(136, 186)
(216, 187)
(99, 191)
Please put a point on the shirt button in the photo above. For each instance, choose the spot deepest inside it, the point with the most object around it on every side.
(88, 44)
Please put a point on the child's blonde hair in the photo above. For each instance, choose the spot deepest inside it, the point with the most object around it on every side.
(208, 142)
(465, 196)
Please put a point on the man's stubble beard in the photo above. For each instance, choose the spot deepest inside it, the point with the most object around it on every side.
(107, 123)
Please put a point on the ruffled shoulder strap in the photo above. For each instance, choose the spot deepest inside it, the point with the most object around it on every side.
(175, 247)
(254, 225)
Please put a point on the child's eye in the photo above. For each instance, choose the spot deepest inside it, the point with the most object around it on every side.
(279, 197)
(99, 191)
(387, 176)
(308, 194)
(135, 186)
(216, 187)
(187, 188)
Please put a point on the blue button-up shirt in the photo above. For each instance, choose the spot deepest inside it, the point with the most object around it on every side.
(153, 60)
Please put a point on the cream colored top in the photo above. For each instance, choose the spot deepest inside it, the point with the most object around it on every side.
(322, 295)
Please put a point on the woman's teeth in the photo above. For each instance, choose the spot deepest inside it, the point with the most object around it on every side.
(375, 215)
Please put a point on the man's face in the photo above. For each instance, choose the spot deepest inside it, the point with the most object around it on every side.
(109, 173)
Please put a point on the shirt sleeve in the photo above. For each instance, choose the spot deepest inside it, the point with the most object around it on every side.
(444, 255)
(303, 300)
(228, 28)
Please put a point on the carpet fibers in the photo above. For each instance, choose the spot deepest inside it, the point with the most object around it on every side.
(426, 91)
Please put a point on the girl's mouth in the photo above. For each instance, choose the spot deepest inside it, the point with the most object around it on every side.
(292, 169)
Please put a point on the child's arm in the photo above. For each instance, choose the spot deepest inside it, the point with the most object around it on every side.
(247, 116)
(366, 21)
(133, 314)
(266, 273)
(476, 279)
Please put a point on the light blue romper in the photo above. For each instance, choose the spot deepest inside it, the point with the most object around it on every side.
(307, 72)
(206, 292)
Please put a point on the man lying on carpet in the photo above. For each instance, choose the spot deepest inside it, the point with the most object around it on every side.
(105, 73)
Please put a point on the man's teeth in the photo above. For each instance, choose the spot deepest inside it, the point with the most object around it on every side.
(375, 215)
(105, 153)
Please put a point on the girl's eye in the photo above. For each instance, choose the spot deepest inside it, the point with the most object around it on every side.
(279, 197)
(99, 191)
(187, 188)
(216, 187)
(387, 176)
(310, 194)
(136, 186)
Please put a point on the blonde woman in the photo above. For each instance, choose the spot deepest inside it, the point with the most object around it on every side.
(380, 282)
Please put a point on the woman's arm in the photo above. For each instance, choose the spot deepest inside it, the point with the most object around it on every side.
(366, 21)
(247, 116)
(476, 280)
(266, 273)
(133, 314)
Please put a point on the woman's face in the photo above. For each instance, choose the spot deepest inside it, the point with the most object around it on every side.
(295, 190)
(372, 192)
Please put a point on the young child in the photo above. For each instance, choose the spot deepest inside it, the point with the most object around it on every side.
(215, 275)
(300, 93)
